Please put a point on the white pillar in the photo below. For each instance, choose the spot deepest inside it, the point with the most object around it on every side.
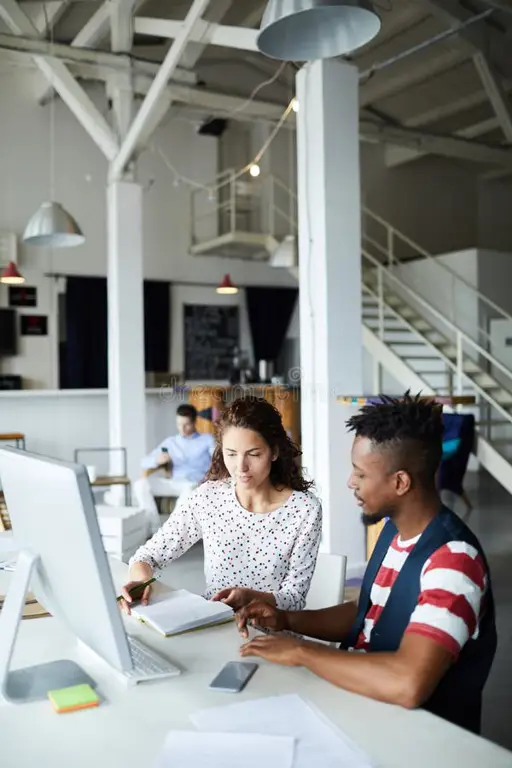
(330, 291)
(126, 378)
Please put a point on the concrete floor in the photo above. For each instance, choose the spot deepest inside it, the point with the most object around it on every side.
(491, 520)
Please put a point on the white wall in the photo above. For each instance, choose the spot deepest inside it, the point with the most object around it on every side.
(57, 423)
(494, 229)
(433, 200)
(436, 281)
(80, 178)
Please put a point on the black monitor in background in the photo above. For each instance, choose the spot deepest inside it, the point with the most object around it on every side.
(8, 344)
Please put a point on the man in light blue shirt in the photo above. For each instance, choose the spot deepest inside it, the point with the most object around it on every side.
(184, 458)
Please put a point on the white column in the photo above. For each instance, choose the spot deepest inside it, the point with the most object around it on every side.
(330, 291)
(126, 379)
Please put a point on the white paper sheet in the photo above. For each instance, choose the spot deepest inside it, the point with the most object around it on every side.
(319, 743)
(222, 750)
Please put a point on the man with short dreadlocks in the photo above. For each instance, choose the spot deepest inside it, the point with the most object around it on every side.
(423, 633)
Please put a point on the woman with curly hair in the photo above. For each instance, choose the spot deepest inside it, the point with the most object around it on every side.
(259, 522)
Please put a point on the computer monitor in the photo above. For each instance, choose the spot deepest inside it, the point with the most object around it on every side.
(62, 559)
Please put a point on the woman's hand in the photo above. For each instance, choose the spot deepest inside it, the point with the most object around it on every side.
(139, 573)
(128, 599)
(237, 597)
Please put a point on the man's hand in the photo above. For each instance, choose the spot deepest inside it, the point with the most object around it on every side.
(278, 650)
(261, 615)
(163, 459)
(236, 597)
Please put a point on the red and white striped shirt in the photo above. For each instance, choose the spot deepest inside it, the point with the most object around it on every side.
(452, 584)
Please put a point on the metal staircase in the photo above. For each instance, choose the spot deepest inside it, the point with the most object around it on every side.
(422, 348)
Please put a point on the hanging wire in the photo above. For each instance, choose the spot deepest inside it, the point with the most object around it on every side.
(258, 88)
(242, 171)
(54, 291)
(49, 26)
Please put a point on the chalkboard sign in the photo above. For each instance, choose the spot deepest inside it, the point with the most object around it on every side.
(211, 335)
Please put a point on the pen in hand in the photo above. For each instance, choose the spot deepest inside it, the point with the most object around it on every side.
(138, 588)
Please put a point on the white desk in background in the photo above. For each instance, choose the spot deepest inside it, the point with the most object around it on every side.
(128, 729)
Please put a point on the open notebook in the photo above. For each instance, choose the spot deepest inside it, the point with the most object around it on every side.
(181, 611)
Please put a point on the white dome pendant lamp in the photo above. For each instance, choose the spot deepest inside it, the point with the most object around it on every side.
(305, 30)
(51, 225)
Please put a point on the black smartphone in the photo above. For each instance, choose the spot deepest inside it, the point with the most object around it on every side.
(234, 676)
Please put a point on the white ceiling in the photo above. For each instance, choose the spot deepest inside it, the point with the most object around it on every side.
(437, 89)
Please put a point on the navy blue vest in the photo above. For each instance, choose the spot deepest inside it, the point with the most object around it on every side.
(458, 697)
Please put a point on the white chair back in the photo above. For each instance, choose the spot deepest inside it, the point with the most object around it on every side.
(328, 582)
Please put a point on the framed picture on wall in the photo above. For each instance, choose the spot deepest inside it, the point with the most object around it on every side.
(34, 325)
(22, 296)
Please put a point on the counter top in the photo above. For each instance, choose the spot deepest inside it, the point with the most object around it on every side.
(164, 389)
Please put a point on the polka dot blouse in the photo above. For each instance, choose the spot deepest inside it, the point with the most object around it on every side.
(273, 552)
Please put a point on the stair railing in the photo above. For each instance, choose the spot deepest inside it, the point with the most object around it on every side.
(230, 203)
(393, 241)
(384, 275)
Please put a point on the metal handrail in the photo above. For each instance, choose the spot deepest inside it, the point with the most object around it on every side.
(454, 328)
(457, 366)
(229, 180)
(415, 246)
(383, 250)
(460, 335)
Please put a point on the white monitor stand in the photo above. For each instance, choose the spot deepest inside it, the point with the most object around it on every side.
(63, 562)
(29, 683)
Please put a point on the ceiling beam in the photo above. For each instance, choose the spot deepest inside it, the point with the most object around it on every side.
(49, 15)
(222, 104)
(379, 87)
(436, 144)
(491, 57)
(189, 60)
(479, 41)
(194, 51)
(477, 38)
(91, 35)
(496, 93)
(254, 17)
(207, 102)
(119, 85)
(500, 5)
(143, 124)
(115, 61)
(205, 32)
(396, 156)
(446, 146)
(64, 83)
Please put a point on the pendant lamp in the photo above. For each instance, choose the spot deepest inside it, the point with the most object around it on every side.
(226, 286)
(52, 226)
(305, 30)
(285, 254)
(11, 276)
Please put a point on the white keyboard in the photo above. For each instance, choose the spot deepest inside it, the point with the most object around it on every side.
(147, 663)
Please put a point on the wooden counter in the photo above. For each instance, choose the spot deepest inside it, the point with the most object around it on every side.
(209, 402)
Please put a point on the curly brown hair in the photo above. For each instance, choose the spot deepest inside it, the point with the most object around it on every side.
(259, 415)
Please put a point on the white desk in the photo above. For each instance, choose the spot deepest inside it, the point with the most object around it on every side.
(129, 727)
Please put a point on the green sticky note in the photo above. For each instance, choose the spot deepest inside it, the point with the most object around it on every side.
(75, 697)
